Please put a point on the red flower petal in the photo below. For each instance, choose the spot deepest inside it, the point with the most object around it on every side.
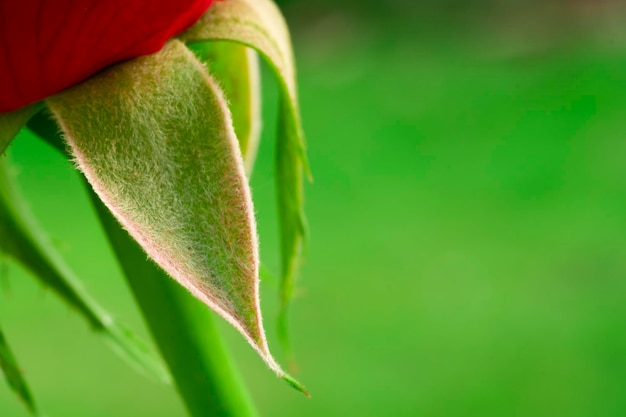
(49, 45)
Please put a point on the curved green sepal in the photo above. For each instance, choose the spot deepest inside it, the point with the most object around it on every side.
(183, 328)
(22, 239)
(12, 122)
(154, 138)
(236, 69)
(13, 375)
(260, 25)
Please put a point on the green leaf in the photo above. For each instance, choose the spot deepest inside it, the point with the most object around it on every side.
(260, 25)
(14, 376)
(12, 122)
(154, 138)
(183, 328)
(22, 239)
(236, 69)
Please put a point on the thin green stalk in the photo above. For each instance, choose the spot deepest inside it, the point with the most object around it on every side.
(182, 327)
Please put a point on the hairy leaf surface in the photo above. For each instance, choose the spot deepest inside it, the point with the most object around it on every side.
(154, 138)
(13, 375)
(260, 25)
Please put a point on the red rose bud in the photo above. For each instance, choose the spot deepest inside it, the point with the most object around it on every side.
(49, 45)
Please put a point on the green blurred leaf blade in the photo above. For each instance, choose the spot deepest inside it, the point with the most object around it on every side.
(13, 375)
(22, 239)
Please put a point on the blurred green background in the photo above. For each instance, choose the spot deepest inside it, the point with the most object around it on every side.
(468, 225)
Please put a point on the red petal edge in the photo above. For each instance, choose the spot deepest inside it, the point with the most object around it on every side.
(47, 46)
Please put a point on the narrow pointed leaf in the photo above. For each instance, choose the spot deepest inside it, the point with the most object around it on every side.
(154, 138)
(182, 327)
(236, 69)
(260, 25)
(12, 122)
(23, 240)
(292, 220)
(13, 375)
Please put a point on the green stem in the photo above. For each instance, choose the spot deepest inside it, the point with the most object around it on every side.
(182, 327)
